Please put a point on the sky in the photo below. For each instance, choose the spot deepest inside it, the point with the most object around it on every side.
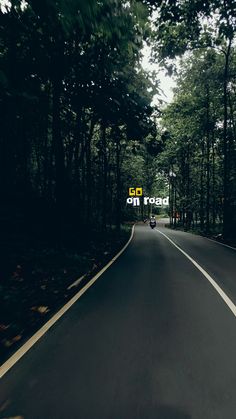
(166, 82)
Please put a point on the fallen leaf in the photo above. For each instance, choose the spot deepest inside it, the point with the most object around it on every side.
(15, 417)
(40, 309)
(7, 343)
(16, 338)
(4, 405)
(4, 327)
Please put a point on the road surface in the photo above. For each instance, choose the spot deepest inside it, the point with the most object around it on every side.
(151, 339)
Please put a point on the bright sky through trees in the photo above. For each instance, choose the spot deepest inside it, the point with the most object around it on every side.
(167, 83)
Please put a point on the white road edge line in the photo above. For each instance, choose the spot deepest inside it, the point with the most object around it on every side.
(222, 294)
(4, 368)
(212, 240)
(222, 244)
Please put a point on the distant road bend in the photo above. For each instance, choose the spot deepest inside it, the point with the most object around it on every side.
(151, 339)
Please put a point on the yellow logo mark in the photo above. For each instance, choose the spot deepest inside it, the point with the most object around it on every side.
(135, 191)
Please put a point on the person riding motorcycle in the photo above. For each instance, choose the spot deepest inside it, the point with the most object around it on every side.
(152, 221)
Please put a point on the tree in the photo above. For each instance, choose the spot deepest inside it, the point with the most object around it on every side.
(193, 147)
(187, 26)
(76, 101)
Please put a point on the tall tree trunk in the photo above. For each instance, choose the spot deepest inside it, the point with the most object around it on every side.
(207, 161)
(89, 172)
(175, 203)
(226, 215)
(213, 183)
(58, 152)
(202, 190)
(9, 122)
(118, 183)
(105, 170)
(188, 199)
(47, 151)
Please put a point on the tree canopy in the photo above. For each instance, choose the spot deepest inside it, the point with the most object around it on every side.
(77, 109)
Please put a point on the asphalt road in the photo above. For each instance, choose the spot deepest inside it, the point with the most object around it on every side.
(151, 339)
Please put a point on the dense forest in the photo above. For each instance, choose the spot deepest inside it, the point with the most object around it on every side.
(76, 127)
(200, 145)
(75, 104)
(79, 125)
(199, 125)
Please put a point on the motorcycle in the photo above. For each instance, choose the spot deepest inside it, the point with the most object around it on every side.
(153, 224)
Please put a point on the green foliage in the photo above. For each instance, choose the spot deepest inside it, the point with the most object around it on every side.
(193, 131)
(77, 101)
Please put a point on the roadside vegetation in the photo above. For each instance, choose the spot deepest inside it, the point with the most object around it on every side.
(75, 106)
(78, 128)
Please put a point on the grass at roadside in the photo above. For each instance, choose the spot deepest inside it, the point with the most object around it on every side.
(35, 280)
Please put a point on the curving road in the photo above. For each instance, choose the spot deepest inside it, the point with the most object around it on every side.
(151, 339)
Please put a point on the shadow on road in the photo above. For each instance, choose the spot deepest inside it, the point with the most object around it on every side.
(164, 412)
(167, 412)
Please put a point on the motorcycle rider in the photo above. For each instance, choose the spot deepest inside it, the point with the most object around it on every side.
(152, 221)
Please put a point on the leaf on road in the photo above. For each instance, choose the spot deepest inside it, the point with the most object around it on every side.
(7, 343)
(16, 338)
(40, 309)
(4, 405)
(14, 417)
(4, 327)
